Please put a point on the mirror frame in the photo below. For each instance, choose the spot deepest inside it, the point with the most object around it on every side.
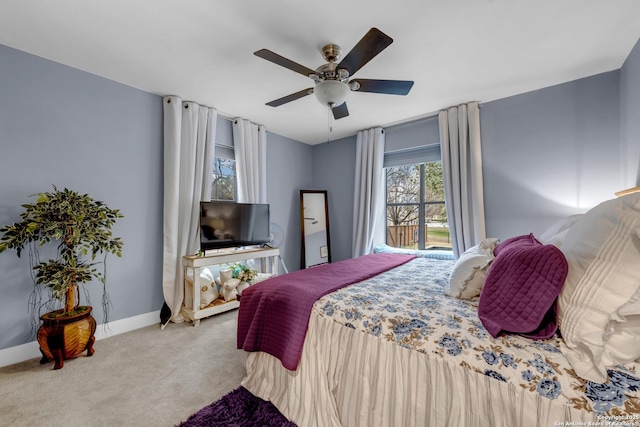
(303, 260)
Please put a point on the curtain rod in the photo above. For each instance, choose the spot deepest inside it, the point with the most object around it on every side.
(426, 116)
(412, 120)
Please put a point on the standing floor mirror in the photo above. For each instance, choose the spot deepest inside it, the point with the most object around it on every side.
(314, 223)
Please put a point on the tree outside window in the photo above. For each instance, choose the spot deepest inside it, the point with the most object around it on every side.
(416, 212)
(224, 179)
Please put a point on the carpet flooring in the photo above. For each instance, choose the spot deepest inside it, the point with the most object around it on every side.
(144, 378)
(238, 408)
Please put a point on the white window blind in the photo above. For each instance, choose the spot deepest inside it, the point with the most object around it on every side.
(413, 155)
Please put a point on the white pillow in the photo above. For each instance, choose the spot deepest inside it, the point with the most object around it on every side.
(467, 277)
(603, 252)
(555, 234)
(208, 288)
(623, 338)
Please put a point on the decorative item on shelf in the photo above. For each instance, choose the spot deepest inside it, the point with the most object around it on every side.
(241, 287)
(81, 229)
(229, 290)
(224, 276)
(243, 272)
(228, 284)
(245, 275)
(208, 288)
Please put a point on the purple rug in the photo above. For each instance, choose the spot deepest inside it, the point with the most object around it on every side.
(238, 408)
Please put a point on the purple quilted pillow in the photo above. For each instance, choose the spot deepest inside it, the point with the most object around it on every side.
(520, 290)
(525, 239)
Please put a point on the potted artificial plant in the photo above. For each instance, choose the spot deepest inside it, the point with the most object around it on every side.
(81, 228)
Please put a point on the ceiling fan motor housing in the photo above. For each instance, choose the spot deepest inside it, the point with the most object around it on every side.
(331, 52)
(330, 72)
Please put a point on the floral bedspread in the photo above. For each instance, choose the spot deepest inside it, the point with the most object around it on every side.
(407, 306)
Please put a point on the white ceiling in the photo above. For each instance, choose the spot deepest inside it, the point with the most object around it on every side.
(202, 50)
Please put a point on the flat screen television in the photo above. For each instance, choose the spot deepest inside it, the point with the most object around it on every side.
(231, 224)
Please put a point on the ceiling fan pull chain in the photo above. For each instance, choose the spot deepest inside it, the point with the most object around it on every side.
(329, 116)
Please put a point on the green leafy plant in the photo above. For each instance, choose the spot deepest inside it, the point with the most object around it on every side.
(81, 228)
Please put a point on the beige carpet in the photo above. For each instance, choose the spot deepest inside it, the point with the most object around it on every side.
(147, 377)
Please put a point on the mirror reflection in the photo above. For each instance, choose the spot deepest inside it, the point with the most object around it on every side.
(314, 221)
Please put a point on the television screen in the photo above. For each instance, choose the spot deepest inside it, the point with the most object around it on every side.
(229, 224)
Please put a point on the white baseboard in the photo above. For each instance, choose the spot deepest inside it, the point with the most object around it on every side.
(31, 350)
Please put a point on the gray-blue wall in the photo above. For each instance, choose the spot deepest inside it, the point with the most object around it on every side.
(289, 170)
(65, 127)
(630, 117)
(333, 170)
(550, 153)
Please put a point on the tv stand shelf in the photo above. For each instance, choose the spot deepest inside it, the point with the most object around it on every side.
(191, 306)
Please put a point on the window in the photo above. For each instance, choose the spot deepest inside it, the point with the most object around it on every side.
(223, 185)
(416, 213)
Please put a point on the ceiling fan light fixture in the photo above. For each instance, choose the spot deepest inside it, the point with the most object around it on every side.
(331, 92)
(331, 79)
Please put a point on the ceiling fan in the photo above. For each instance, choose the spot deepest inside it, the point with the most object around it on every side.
(332, 83)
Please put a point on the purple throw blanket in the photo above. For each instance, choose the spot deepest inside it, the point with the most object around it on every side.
(274, 314)
(520, 290)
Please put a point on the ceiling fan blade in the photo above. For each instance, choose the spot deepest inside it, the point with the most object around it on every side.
(289, 98)
(374, 42)
(340, 111)
(392, 87)
(284, 62)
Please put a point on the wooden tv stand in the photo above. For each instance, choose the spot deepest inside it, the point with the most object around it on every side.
(191, 305)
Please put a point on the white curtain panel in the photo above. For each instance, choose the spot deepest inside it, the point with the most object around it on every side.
(369, 194)
(462, 169)
(189, 133)
(250, 145)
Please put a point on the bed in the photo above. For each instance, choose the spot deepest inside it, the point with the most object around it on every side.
(397, 349)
